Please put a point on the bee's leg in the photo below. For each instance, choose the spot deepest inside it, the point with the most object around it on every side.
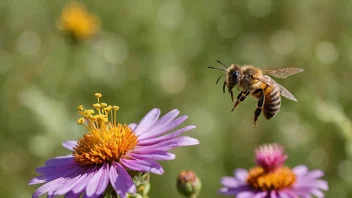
(259, 107)
(231, 93)
(240, 98)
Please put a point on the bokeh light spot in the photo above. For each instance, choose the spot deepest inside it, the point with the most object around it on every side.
(327, 52)
(170, 14)
(172, 79)
(283, 42)
(259, 8)
(28, 43)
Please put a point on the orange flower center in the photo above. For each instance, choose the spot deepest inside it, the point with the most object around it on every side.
(281, 178)
(106, 141)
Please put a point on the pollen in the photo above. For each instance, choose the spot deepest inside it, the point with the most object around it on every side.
(281, 178)
(106, 140)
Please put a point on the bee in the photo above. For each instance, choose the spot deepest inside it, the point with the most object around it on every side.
(258, 83)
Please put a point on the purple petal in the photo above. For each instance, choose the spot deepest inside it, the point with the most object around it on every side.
(315, 174)
(234, 191)
(147, 142)
(261, 195)
(53, 185)
(273, 194)
(317, 193)
(148, 121)
(321, 184)
(46, 187)
(300, 170)
(120, 180)
(63, 186)
(50, 169)
(166, 119)
(60, 161)
(81, 186)
(169, 144)
(163, 121)
(230, 182)
(97, 185)
(132, 126)
(241, 174)
(143, 165)
(283, 194)
(246, 194)
(156, 155)
(159, 131)
(69, 144)
(73, 182)
(227, 191)
(93, 196)
(306, 196)
(52, 173)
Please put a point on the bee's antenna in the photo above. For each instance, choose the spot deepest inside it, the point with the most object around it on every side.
(219, 78)
(221, 63)
(217, 68)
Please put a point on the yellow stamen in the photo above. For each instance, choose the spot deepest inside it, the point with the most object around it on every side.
(281, 178)
(80, 121)
(105, 141)
(80, 108)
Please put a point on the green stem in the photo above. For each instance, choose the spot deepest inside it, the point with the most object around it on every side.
(66, 78)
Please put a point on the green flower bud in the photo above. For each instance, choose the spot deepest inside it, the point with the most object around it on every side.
(188, 184)
(141, 181)
(139, 178)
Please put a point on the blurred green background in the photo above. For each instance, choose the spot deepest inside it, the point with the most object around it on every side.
(155, 54)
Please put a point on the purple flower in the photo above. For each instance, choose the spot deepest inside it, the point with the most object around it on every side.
(274, 182)
(102, 156)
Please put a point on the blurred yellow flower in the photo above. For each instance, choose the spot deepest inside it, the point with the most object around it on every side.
(78, 22)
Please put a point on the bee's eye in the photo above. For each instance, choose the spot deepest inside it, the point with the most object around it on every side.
(235, 75)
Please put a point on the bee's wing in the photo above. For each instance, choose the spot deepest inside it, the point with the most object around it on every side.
(282, 72)
(283, 91)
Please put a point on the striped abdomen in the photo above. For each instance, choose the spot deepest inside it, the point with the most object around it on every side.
(272, 101)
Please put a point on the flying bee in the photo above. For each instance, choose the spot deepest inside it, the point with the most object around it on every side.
(255, 81)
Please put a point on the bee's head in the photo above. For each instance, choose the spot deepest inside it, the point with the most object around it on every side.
(232, 73)
(233, 76)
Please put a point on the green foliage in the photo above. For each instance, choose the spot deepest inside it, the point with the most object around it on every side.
(155, 54)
